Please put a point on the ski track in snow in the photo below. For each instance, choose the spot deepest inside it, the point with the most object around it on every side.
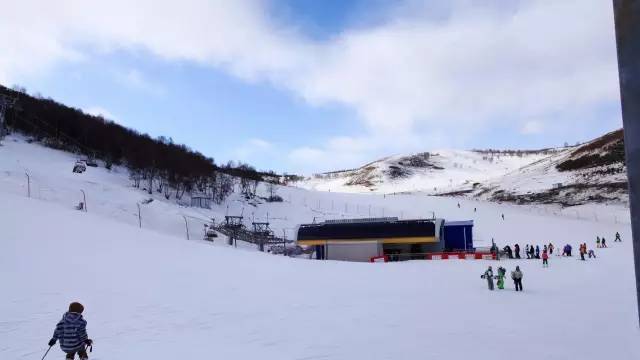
(151, 294)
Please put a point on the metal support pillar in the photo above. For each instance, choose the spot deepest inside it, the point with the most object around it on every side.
(627, 20)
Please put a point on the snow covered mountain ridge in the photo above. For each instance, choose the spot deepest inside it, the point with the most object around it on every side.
(593, 171)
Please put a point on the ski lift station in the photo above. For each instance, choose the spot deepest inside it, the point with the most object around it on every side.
(389, 238)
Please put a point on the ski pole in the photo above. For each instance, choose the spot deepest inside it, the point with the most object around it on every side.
(45, 354)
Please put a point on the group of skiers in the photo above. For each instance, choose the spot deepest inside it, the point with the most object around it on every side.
(531, 252)
(516, 276)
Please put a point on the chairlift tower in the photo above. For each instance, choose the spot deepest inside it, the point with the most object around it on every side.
(261, 233)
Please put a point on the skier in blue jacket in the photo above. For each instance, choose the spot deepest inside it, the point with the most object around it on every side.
(71, 331)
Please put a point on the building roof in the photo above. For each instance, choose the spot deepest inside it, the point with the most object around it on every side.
(459, 223)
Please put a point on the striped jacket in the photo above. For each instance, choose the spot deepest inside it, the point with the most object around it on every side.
(71, 331)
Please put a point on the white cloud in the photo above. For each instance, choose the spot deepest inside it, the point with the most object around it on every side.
(134, 79)
(532, 127)
(253, 148)
(100, 111)
(405, 78)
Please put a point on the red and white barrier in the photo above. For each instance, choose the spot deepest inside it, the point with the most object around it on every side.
(383, 258)
(461, 256)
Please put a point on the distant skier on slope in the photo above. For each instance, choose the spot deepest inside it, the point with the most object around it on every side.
(488, 275)
(532, 251)
(604, 242)
(526, 251)
(516, 276)
(618, 238)
(545, 259)
(583, 251)
(537, 252)
(72, 333)
(516, 249)
(550, 249)
(598, 241)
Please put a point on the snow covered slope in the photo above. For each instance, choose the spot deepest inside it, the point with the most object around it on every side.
(592, 172)
(430, 172)
(152, 296)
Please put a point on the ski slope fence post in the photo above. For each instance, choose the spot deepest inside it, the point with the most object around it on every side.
(186, 226)
(627, 24)
(28, 184)
(84, 198)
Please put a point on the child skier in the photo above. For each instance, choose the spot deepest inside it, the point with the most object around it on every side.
(488, 275)
(545, 259)
(516, 276)
(72, 333)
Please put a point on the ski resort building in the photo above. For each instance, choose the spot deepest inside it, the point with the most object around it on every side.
(394, 239)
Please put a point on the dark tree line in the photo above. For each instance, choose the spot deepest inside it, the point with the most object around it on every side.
(155, 164)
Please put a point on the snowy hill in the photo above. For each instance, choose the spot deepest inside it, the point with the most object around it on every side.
(430, 172)
(591, 172)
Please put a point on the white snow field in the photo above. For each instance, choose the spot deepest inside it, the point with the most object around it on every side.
(151, 294)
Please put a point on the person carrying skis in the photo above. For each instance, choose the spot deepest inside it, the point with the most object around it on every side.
(516, 276)
(516, 249)
(71, 331)
(618, 238)
(501, 274)
(488, 275)
(526, 251)
(545, 259)
(598, 241)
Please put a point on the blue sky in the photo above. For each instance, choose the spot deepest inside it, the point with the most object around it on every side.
(305, 86)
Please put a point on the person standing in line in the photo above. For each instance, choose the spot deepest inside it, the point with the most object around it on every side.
(545, 259)
(583, 250)
(532, 251)
(526, 251)
(488, 275)
(537, 252)
(603, 243)
(550, 249)
(516, 249)
(516, 276)
(598, 242)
